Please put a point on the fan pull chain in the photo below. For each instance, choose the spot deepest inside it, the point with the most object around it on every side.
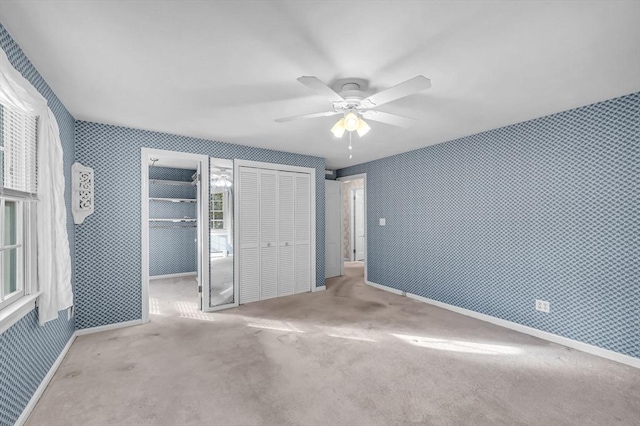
(350, 147)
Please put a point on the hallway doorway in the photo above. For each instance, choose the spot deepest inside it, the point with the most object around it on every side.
(354, 222)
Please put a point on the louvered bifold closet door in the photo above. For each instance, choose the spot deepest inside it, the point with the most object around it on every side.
(249, 238)
(302, 232)
(268, 234)
(286, 233)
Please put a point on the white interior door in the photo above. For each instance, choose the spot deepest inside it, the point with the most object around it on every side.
(333, 228)
(249, 238)
(302, 233)
(286, 233)
(358, 221)
(268, 234)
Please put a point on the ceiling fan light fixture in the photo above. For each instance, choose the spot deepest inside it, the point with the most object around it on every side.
(338, 129)
(222, 181)
(353, 102)
(351, 121)
(363, 128)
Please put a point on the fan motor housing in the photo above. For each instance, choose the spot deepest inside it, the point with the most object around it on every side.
(353, 95)
(353, 90)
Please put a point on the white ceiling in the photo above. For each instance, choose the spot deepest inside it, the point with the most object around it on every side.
(226, 70)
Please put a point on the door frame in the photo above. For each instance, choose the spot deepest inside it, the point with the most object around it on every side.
(353, 246)
(236, 229)
(366, 238)
(203, 218)
(352, 222)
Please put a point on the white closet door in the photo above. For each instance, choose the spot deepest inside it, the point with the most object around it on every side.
(302, 233)
(249, 215)
(268, 234)
(286, 233)
(333, 228)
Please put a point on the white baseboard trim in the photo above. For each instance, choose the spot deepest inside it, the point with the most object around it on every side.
(108, 327)
(52, 371)
(44, 383)
(178, 275)
(321, 288)
(385, 288)
(554, 338)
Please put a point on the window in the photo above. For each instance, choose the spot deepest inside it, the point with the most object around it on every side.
(11, 251)
(18, 135)
(217, 212)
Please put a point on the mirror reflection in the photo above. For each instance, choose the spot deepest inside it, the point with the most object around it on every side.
(221, 231)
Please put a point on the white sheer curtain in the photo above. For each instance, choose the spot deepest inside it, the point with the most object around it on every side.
(54, 258)
(228, 214)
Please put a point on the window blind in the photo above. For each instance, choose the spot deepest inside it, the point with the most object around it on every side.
(18, 148)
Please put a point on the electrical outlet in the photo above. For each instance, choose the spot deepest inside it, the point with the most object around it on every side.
(383, 221)
(543, 306)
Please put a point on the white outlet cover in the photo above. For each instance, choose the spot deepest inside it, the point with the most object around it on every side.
(543, 306)
(383, 221)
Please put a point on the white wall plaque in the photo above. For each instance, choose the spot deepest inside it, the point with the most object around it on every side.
(82, 192)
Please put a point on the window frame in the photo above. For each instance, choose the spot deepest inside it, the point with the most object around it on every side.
(19, 247)
(26, 229)
(213, 211)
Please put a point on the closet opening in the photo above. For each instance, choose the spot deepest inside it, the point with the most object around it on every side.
(175, 240)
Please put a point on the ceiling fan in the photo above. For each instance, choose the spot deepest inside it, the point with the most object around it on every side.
(355, 104)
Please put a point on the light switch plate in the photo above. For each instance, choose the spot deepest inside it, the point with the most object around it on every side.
(383, 221)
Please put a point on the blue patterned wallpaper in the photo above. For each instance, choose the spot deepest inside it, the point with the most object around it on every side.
(172, 246)
(546, 209)
(27, 350)
(108, 287)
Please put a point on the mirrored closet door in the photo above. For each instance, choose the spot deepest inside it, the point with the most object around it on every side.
(221, 193)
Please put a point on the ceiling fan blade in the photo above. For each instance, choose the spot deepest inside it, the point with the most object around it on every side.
(409, 87)
(306, 116)
(388, 118)
(319, 87)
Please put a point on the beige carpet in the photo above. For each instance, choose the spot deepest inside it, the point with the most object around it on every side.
(351, 355)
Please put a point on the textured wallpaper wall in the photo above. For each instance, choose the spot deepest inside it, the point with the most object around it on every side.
(172, 246)
(27, 350)
(108, 287)
(546, 209)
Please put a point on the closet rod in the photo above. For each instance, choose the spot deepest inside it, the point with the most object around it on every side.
(173, 226)
(173, 220)
(174, 200)
(171, 182)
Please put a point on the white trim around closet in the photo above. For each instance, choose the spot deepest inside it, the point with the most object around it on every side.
(312, 186)
(203, 215)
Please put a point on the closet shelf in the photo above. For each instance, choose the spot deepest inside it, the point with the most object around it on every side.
(174, 200)
(171, 182)
(174, 220)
